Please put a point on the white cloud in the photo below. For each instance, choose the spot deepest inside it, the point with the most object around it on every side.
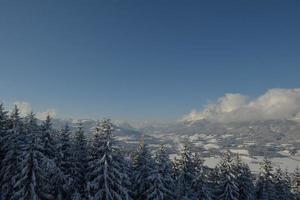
(25, 109)
(43, 115)
(274, 104)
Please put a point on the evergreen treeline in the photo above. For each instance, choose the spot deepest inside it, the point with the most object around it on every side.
(38, 162)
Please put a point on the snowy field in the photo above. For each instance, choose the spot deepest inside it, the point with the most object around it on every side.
(289, 163)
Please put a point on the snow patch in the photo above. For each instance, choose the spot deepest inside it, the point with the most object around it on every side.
(211, 146)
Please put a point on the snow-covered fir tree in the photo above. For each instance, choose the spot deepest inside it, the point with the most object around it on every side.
(265, 188)
(3, 131)
(282, 185)
(147, 182)
(105, 175)
(186, 172)
(47, 138)
(200, 183)
(11, 152)
(64, 163)
(30, 178)
(166, 171)
(212, 179)
(296, 183)
(244, 179)
(157, 190)
(3, 134)
(127, 173)
(227, 188)
(198, 162)
(65, 151)
(38, 162)
(80, 153)
(58, 182)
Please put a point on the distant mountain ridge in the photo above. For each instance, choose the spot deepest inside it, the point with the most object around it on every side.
(257, 137)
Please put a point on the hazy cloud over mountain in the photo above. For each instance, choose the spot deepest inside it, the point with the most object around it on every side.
(274, 104)
(25, 108)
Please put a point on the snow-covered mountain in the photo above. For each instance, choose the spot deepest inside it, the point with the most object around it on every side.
(278, 139)
(260, 138)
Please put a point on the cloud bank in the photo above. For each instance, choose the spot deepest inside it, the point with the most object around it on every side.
(274, 104)
(25, 109)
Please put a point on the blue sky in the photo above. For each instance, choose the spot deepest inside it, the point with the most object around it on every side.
(144, 59)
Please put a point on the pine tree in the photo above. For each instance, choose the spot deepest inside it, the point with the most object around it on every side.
(147, 182)
(212, 179)
(80, 151)
(64, 163)
(64, 158)
(157, 190)
(198, 162)
(185, 173)
(3, 133)
(126, 169)
(58, 182)
(105, 176)
(265, 188)
(47, 138)
(227, 184)
(77, 196)
(11, 150)
(37, 162)
(244, 179)
(200, 183)
(296, 183)
(30, 178)
(165, 169)
(282, 185)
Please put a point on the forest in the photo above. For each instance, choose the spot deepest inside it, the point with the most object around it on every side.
(40, 162)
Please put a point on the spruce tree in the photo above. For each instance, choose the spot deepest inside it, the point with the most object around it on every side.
(156, 190)
(105, 176)
(147, 182)
(3, 134)
(265, 188)
(166, 171)
(4, 123)
(3, 131)
(31, 178)
(64, 158)
(200, 183)
(212, 179)
(58, 182)
(282, 185)
(126, 169)
(186, 173)
(47, 138)
(80, 151)
(227, 188)
(244, 179)
(11, 151)
(296, 183)
(64, 163)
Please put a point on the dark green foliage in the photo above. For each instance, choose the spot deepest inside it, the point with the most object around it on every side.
(105, 178)
(80, 153)
(265, 187)
(296, 183)
(244, 180)
(228, 188)
(38, 162)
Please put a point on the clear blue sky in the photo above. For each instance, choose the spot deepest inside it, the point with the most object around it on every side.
(144, 59)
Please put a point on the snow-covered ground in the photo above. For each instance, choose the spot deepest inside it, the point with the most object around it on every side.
(289, 163)
(240, 151)
(211, 146)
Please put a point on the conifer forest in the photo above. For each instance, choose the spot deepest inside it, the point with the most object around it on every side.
(149, 100)
(39, 162)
